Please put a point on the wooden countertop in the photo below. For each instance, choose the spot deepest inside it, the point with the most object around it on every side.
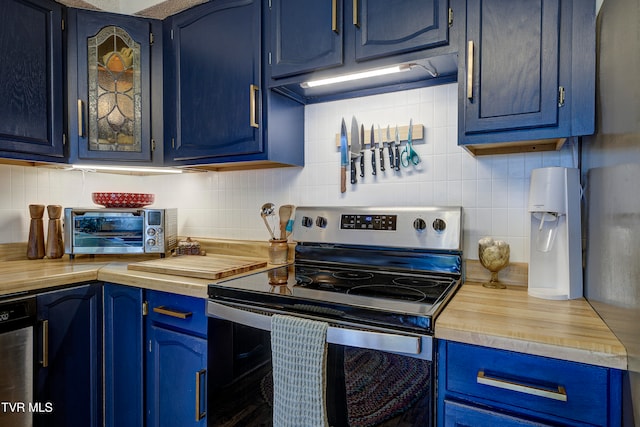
(510, 319)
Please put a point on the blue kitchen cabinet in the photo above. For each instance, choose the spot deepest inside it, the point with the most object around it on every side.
(176, 361)
(217, 110)
(483, 386)
(527, 73)
(111, 103)
(31, 80)
(123, 356)
(311, 40)
(69, 340)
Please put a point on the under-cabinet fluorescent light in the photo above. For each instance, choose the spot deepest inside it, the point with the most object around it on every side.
(99, 168)
(357, 76)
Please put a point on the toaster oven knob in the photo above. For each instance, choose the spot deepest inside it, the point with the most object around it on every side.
(151, 242)
(439, 225)
(151, 232)
(419, 224)
(307, 222)
(321, 222)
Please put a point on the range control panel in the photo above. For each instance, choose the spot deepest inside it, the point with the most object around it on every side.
(438, 228)
(368, 222)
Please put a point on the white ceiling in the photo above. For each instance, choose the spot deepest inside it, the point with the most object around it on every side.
(158, 9)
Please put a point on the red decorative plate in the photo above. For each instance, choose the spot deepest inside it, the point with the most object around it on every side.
(122, 200)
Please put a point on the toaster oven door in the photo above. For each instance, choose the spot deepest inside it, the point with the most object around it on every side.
(108, 232)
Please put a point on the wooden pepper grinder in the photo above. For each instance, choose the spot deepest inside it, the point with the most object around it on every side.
(55, 247)
(35, 245)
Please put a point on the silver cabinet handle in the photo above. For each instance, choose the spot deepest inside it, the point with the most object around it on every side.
(470, 69)
(505, 384)
(343, 336)
(173, 313)
(253, 121)
(356, 22)
(200, 414)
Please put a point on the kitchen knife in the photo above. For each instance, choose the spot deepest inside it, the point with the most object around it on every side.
(372, 145)
(390, 147)
(355, 148)
(397, 151)
(362, 151)
(381, 149)
(344, 158)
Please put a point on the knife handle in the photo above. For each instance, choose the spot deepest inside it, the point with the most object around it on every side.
(373, 161)
(391, 163)
(362, 164)
(343, 179)
(353, 170)
(382, 157)
(397, 159)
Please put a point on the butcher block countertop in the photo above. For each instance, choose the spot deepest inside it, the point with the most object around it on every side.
(510, 319)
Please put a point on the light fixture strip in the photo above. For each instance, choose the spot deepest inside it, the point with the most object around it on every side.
(107, 168)
(357, 76)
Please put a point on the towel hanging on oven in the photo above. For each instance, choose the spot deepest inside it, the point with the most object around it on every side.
(299, 349)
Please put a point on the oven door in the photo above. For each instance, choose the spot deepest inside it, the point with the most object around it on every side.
(374, 378)
(107, 232)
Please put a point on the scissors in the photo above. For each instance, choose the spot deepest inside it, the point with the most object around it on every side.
(408, 153)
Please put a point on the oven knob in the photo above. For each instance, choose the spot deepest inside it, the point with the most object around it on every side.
(419, 224)
(151, 232)
(321, 222)
(439, 225)
(151, 242)
(307, 222)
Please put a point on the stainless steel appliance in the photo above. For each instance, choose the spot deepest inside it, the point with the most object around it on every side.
(120, 231)
(17, 319)
(378, 277)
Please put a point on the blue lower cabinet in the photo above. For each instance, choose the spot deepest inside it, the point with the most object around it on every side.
(123, 356)
(177, 379)
(69, 372)
(484, 386)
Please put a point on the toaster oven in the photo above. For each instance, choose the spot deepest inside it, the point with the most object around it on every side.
(120, 231)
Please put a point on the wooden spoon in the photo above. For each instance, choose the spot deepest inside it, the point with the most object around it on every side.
(284, 213)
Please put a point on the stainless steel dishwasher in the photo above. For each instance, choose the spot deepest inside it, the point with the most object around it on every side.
(17, 320)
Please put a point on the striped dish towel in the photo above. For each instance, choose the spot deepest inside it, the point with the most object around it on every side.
(299, 349)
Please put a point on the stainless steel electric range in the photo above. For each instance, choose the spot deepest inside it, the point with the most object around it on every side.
(378, 277)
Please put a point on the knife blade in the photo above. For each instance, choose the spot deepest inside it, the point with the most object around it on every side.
(344, 158)
(361, 151)
(397, 151)
(381, 149)
(355, 148)
(390, 147)
(372, 146)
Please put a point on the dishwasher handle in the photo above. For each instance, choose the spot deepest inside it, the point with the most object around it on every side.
(415, 346)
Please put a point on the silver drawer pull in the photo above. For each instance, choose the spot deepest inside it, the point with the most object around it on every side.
(561, 394)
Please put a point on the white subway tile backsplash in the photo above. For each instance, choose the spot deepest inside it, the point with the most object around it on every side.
(493, 190)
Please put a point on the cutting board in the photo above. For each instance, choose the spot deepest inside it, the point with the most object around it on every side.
(211, 267)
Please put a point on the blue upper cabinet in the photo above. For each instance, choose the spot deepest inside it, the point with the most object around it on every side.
(527, 73)
(306, 35)
(109, 74)
(386, 27)
(313, 40)
(216, 107)
(31, 80)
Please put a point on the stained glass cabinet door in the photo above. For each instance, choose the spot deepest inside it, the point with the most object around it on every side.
(110, 118)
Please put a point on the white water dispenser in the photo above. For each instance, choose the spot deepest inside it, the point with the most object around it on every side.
(555, 265)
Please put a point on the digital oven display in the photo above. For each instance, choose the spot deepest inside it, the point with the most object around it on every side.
(368, 222)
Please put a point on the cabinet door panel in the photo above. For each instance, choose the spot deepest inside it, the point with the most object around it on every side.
(306, 35)
(176, 367)
(71, 381)
(460, 415)
(515, 65)
(397, 26)
(87, 25)
(217, 60)
(123, 346)
(31, 96)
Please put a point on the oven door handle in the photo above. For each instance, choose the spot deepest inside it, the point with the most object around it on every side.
(395, 343)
